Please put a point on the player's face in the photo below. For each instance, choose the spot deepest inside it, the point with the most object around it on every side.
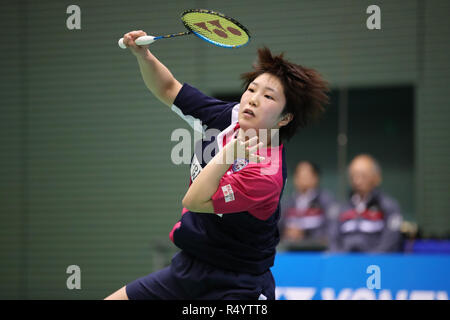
(262, 104)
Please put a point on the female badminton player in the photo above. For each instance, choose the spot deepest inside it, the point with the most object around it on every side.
(228, 228)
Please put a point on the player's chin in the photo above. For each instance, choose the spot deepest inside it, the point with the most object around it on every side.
(246, 119)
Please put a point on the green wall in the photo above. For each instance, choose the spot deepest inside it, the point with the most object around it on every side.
(86, 174)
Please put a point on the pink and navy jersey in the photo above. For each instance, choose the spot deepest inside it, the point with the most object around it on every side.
(242, 234)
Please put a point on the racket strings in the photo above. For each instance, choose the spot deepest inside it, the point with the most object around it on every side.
(216, 27)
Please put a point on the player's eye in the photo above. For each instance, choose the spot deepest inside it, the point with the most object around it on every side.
(269, 97)
(251, 89)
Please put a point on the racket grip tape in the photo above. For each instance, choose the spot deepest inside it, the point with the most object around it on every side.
(141, 41)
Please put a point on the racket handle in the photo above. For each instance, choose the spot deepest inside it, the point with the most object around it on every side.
(141, 41)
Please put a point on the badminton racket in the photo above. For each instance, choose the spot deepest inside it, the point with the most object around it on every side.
(210, 26)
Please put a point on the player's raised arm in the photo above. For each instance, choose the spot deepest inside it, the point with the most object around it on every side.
(158, 79)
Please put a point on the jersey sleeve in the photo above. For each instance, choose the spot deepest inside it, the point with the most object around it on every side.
(248, 190)
(191, 105)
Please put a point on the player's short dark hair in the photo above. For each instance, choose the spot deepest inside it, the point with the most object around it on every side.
(304, 88)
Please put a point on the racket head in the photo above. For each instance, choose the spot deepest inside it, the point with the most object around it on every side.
(215, 28)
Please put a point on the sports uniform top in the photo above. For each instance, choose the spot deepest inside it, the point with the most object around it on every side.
(242, 234)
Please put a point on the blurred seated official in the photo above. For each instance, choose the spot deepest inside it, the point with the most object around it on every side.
(304, 219)
(371, 220)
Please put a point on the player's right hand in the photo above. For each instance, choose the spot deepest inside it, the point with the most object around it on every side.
(130, 37)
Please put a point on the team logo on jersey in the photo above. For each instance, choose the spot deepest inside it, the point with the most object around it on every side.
(228, 193)
(239, 164)
(195, 168)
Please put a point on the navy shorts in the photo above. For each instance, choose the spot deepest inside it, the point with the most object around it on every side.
(188, 278)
